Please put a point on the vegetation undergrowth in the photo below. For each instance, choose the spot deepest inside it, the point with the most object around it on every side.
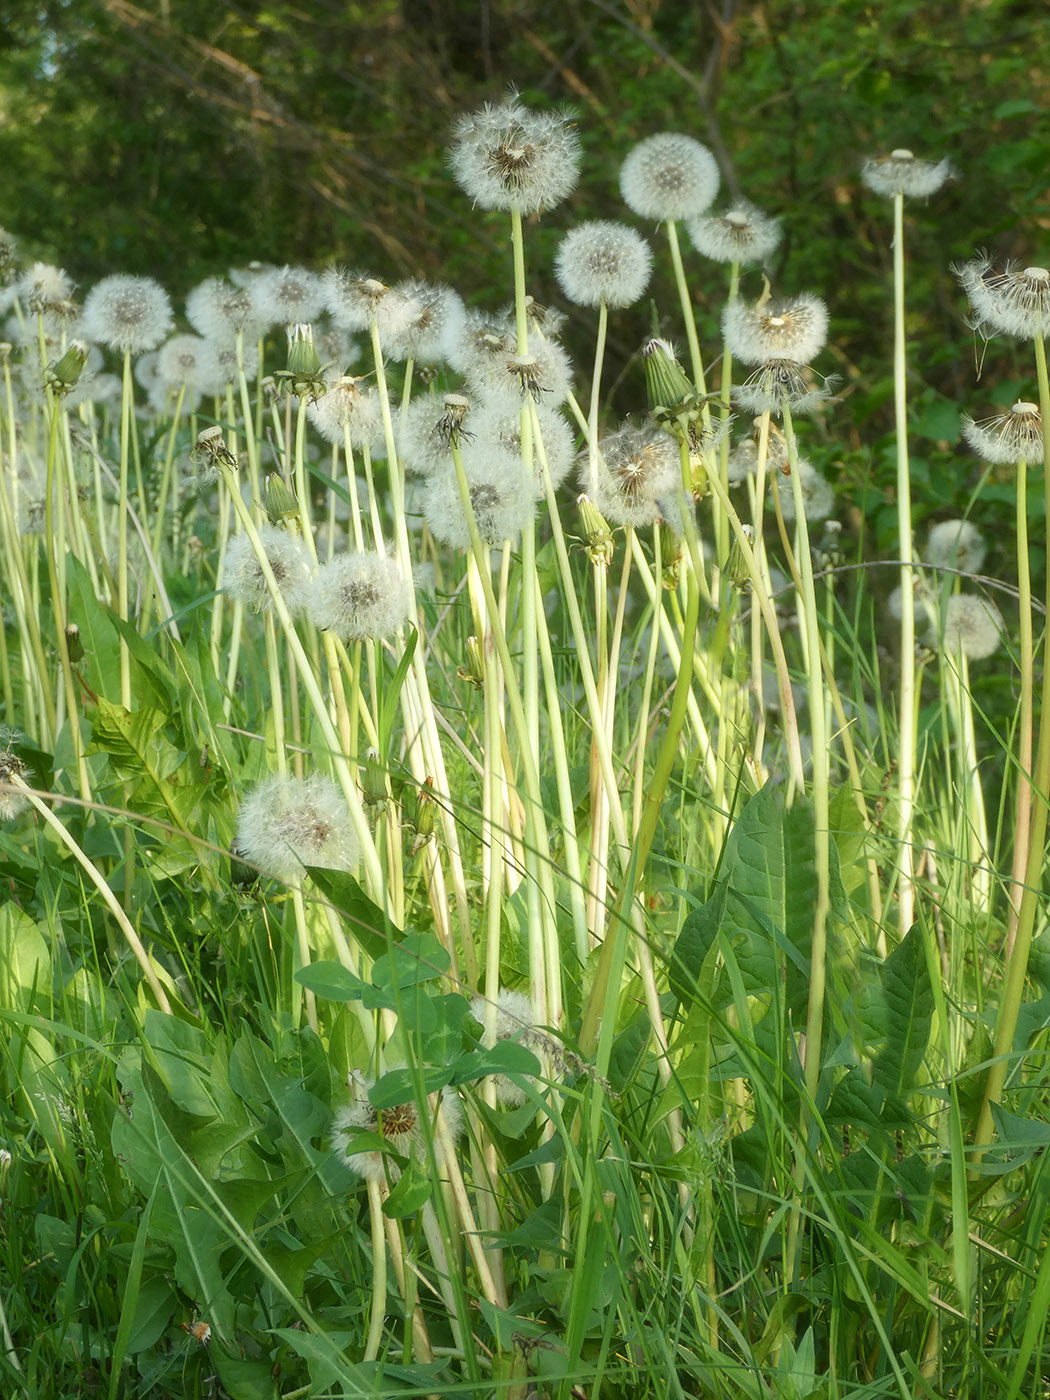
(496, 902)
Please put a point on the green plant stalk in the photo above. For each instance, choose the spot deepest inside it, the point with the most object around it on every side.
(98, 880)
(54, 539)
(692, 339)
(377, 1311)
(1031, 896)
(645, 707)
(1023, 811)
(340, 766)
(127, 397)
(906, 721)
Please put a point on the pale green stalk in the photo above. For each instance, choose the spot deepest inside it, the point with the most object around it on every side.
(1031, 896)
(98, 880)
(906, 724)
(122, 529)
(1026, 645)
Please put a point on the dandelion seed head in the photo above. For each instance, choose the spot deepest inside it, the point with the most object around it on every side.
(356, 596)
(348, 406)
(515, 1020)
(127, 313)
(503, 504)
(793, 328)
(1008, 438)
(505, 156)
(973, 626)
(496, 436)
(956, 544)
(743, 234)
(47, 290)
(603, 262)
(217, 310)
(901, 172)
(12, 800)
(818, 496)
(782, 383)
(432, 320)
(286, 823)
(639, 474)
(544, 375)
(242, 577)
(429, 428)
(399, 1126)
(1010, 301)
(669, 176)
(287, 296)
(184, 359)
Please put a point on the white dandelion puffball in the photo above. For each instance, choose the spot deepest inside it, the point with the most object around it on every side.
(956, 544)
(287, 823)
(602, 261)
(241, 575)
(794, 328)
(818, 497)
(400, 1127)
(505, 156)
(973, 626)
(669, 176)
(127, 313)
(743, 234)
(901, 172)
(356, 596)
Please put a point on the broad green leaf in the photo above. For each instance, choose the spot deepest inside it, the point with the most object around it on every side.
(363, 920)
(411, 1192)
(25, 961)
(895, 1014)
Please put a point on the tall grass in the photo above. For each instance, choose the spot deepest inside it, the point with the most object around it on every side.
(592, 1034)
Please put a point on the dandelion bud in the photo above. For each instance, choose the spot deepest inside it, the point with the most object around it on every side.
(375, 787)
(473, 668)
(603, 263)
(671, 393)
(670, 556)
(508, 157)
(1009, 438)
(956, 544)
(74, 646)
(903, 173)
(422, 814)
(281, 503)
(737, 571)
(12, 800)
(287, 823)
(127, 313)
(598, 538)
(303, 374)
(357, 596)
(63, 374)
(669, 176)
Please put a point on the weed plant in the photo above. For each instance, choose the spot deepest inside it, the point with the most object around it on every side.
(498, 899)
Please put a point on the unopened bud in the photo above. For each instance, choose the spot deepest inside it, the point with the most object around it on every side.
(737, 571)
(280, 501)
(63, 374)
(598, 538)
(74, 646)
(473, 668)
(374, 784)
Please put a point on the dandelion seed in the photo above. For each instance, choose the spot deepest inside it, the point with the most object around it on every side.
(508, 157)
(742, 234)
(287, 296)
(399, 1126)
(127, 313)
(12, 800)
(354, 300)
(603, 262)
(357, 596)
(287, 823)
(779, 384)
(1012, 301)
(241, 575)
(973, 626)
(794, 328)
(639, 477)
(1008, 438)
(901, 172)
(956, 544)
(669, 176)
